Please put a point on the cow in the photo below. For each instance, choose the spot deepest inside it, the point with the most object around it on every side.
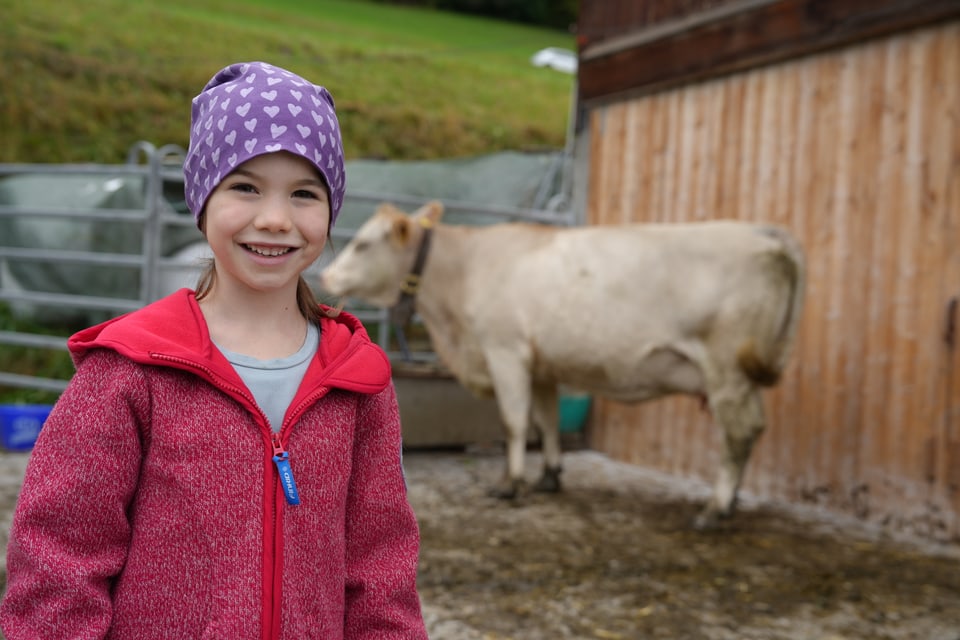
(627, 312)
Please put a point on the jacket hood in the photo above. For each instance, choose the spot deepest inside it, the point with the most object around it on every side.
(172, 332)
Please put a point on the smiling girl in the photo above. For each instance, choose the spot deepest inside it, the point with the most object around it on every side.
(226, 462)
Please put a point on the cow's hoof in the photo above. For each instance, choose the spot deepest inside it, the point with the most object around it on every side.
(505, 491)
(709, 519)
(549, 482)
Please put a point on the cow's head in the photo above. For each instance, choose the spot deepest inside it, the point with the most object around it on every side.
(373, 266)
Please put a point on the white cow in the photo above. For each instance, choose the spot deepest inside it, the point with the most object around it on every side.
(629, 312)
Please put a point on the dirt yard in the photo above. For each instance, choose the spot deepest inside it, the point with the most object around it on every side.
(613, 557)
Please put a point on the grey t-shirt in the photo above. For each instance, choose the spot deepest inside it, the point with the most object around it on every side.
(273, 383)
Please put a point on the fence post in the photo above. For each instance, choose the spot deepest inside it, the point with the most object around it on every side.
(152, 230)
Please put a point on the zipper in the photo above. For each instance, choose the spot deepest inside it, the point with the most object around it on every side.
(212, 376)
(281, 458)
(272, 551)
(310, 399)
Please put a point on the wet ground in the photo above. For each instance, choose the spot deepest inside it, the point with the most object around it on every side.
(613, 557)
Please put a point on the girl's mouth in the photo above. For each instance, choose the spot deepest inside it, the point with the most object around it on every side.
(270, 252)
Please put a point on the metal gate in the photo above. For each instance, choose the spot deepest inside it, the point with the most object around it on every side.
(155, 230)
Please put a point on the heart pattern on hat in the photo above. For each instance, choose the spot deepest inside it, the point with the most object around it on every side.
(248, 109)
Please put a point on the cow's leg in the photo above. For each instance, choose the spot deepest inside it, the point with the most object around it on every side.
(511, 383)
(739, 411)
(545, 416)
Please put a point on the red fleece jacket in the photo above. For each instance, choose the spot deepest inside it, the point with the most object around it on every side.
(151, 506)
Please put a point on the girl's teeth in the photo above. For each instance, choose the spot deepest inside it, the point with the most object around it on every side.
(269, 252)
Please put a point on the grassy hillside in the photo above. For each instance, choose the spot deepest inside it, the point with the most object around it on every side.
(85, 80)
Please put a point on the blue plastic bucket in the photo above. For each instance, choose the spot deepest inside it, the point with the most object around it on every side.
(20, 425)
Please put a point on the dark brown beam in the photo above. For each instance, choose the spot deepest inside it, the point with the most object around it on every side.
(767, 33)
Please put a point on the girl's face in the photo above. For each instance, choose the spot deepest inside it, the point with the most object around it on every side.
(267, 222)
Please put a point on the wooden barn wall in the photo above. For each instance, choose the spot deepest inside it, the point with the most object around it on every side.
(856, 151)
(603, 19)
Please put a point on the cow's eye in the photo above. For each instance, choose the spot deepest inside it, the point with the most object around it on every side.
(361, 246)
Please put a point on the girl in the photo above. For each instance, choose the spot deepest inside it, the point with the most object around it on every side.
(226, 463)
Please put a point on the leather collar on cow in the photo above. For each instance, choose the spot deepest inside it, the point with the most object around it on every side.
(402, 312)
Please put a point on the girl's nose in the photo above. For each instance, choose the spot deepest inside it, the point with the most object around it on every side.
(274, 215)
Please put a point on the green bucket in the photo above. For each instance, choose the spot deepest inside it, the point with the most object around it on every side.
(574, 409)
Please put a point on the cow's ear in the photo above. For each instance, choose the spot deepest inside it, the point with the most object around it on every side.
(400, 232)
(386, 207)
(431, 212)
(435, 212)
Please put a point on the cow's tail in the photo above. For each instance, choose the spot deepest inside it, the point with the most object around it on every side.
(764, 358)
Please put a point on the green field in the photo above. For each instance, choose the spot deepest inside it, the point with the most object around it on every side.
(85, 80)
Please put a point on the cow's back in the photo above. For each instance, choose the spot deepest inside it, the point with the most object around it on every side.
(592, 303)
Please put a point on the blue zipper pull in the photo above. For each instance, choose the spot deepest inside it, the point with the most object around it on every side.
(281, 458)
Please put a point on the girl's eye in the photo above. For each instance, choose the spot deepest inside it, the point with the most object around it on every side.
(243, 187)
(305, 193)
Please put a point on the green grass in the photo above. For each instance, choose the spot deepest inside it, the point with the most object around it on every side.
(84, 81)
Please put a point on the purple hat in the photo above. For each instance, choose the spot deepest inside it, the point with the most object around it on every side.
(252, 108)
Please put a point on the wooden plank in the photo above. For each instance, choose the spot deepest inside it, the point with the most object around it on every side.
(748, 148)
(871, 86)
(610, 18)
(731, 139)
(644, 113)
(948, 450)
(878, 434)
(950, 403)
(936, 127)
(769, 33)
(909, 282)
(780, 402)
(632, 124)
(656, 163)
(713, 102)
(787, 402)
